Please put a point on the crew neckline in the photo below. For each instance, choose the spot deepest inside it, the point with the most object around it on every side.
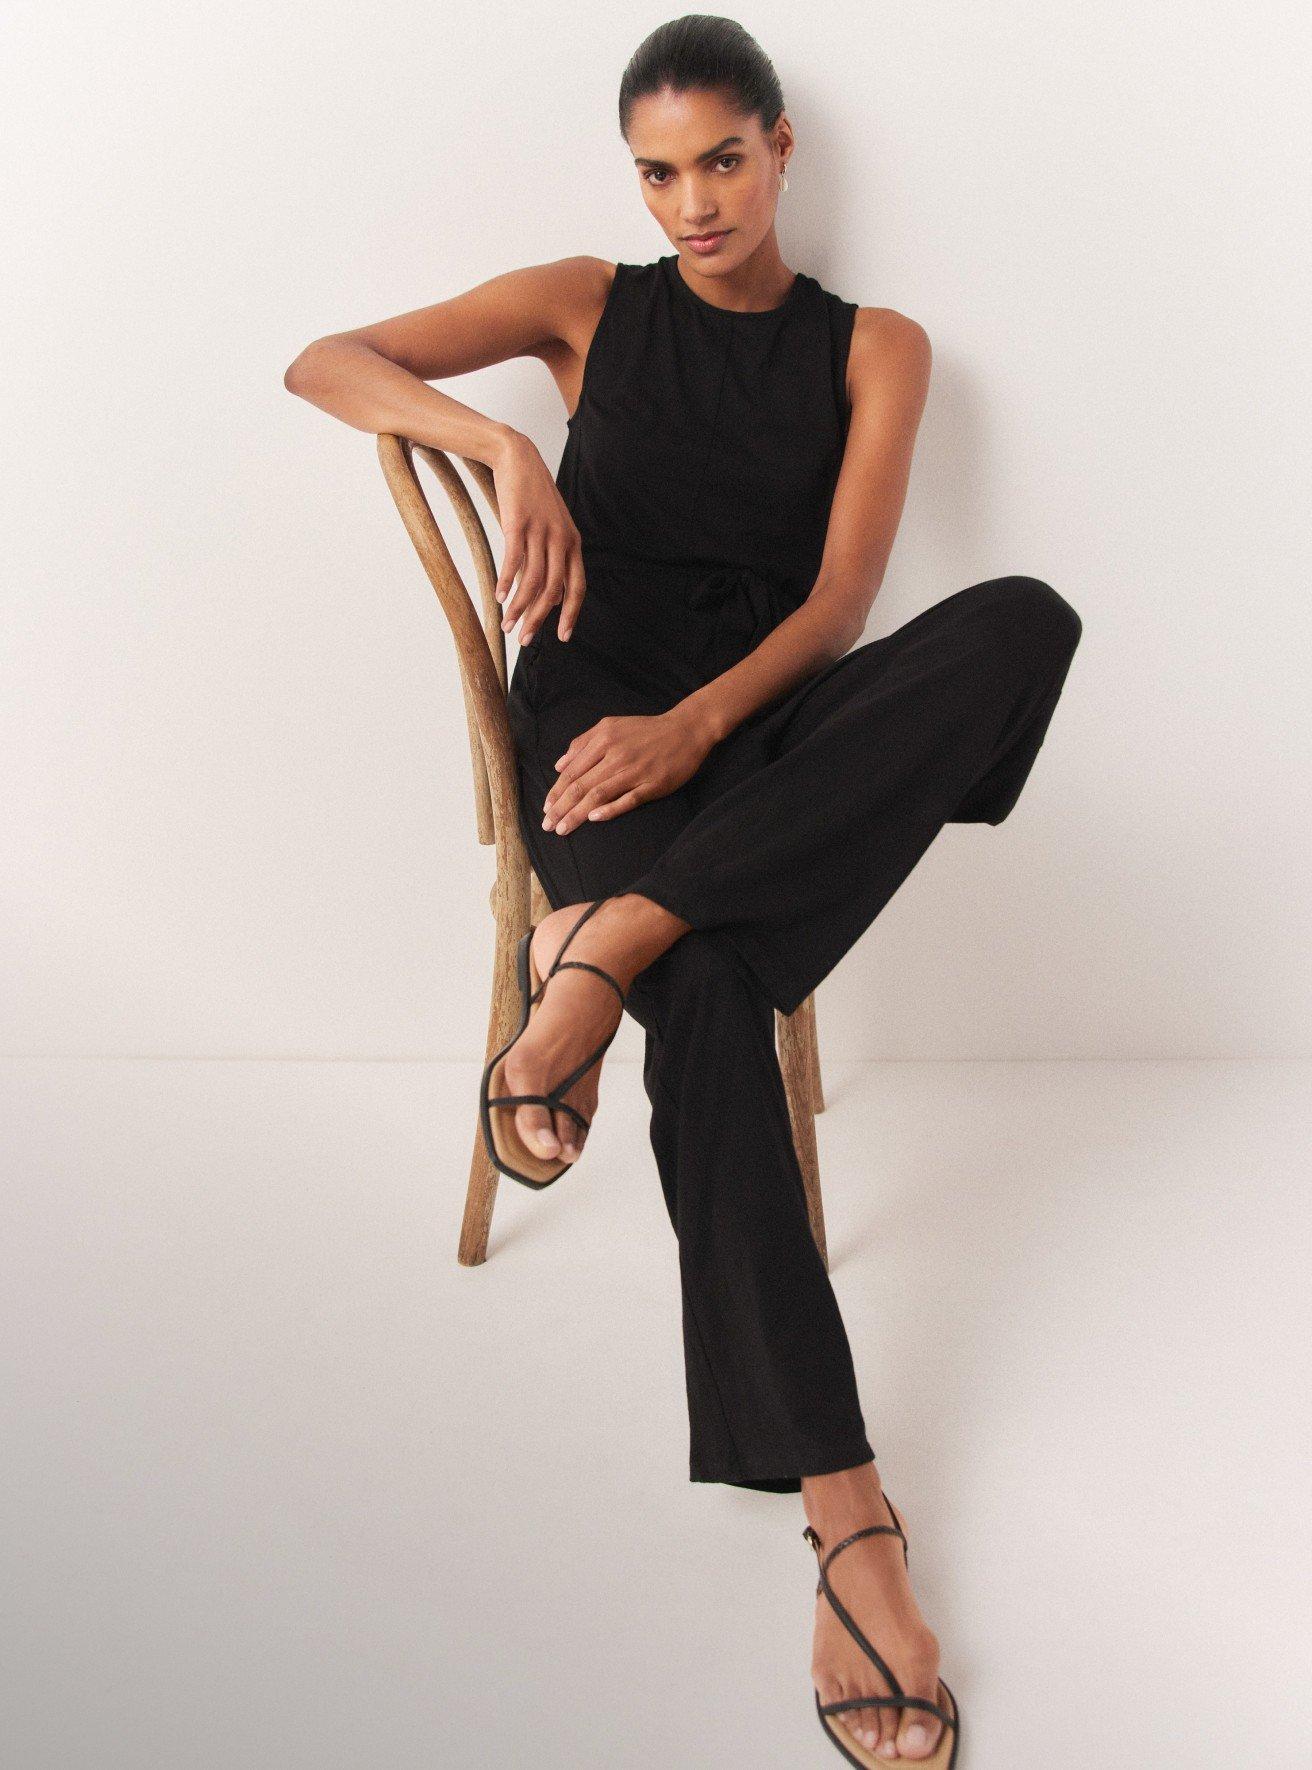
(671, 261)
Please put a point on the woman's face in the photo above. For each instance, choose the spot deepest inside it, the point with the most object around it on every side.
(705, 169)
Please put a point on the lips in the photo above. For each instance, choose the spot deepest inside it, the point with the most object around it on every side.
(705, 239)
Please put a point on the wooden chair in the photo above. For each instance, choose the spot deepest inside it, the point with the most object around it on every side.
(517, 897)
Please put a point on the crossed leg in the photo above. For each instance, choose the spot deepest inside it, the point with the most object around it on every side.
(768, 866)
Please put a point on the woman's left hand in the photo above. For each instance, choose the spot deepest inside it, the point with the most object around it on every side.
(622, 761)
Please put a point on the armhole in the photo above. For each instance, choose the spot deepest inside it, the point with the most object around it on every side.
(590, 360)
(844, 323)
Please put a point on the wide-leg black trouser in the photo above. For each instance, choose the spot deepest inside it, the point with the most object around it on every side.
(780, 852)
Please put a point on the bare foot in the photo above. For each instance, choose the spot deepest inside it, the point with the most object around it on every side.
(578, 1009)
(870, 1580)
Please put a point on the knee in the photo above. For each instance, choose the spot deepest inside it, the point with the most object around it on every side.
(698, 963)
(702, 971)
(1039, 617)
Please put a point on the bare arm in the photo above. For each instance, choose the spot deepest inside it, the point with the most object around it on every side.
(375, 378)
(888, 374)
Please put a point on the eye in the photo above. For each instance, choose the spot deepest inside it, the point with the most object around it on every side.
(655, 172)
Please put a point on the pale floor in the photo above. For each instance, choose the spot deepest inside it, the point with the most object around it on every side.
(289, 1489)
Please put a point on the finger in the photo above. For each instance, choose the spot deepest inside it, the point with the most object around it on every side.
(586, 740)
(575, 590)
(557, 566)
(523, 593)
(511, 560)
(584, 753)
(551, 590)
(625, 802)
(535, 615)
(570, 794)
(560, 761)
(530, 583)
(595, 794)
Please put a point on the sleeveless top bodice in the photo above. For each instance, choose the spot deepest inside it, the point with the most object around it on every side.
(699, 469)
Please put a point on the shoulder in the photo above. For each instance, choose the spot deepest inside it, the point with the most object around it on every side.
(581, 285)
(587, 275)
(571, 293)
(886, 343)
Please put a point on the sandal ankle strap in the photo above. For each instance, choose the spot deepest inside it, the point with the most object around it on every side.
(559, 963)
(869, 1530)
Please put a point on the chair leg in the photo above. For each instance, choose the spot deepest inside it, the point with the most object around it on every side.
(799, 1065)
(503, 1018)
(807, 1013)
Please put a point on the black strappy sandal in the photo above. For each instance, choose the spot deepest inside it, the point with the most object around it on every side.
(944, 1756)
(504, 1144)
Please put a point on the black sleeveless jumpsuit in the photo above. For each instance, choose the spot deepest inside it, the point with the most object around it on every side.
(699, 469)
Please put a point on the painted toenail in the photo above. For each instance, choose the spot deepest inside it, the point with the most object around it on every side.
(888, 1749)
(916, 1735)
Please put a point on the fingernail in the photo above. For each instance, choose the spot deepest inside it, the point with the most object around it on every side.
(546, 823)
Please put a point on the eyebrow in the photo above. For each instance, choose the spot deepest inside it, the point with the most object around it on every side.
(712, 153)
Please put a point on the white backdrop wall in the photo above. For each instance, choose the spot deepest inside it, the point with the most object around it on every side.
(238, 807)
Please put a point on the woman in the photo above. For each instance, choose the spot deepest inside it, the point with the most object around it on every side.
(717, 792)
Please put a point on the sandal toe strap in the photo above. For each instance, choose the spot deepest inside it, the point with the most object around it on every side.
(540, 1100)
(872, 1702)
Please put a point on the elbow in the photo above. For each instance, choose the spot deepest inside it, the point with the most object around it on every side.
(842, 607)
(859, 618)
(848, 631)
(298, 374)
(851, 639)
(294, 378)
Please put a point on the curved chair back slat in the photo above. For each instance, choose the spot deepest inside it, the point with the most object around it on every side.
(479, 640)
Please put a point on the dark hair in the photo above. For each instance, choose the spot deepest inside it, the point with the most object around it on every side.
(699, 52)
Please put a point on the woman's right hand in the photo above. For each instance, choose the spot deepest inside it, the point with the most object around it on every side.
(542, 544)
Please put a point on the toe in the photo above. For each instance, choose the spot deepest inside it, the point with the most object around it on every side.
(851, 1721)
(865, 1724)
(918, 1738)
(571, 1136)
(535, 1127)
(919, 1732)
